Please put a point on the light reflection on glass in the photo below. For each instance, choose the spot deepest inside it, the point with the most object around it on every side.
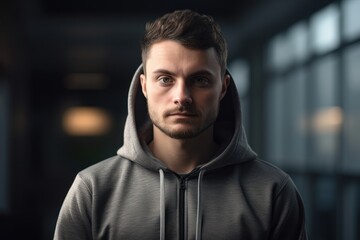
(324, 27)
(86, 121)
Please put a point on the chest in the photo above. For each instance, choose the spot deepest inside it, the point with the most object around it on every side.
(180, 208)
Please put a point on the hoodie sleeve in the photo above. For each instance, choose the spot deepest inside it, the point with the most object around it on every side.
(74, 221)
(288, 220)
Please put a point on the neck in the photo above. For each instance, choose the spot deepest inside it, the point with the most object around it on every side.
(183, 155)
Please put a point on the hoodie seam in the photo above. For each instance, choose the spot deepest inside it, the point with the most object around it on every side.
(85, 184)
(282, 185)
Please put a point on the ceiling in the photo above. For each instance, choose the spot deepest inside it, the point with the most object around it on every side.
(91, 36)
(225, 8)
(56, 38)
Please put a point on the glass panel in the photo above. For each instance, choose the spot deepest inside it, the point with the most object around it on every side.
(326, 116)
(274, 112)
(3, 148)
(295, 118)
(351, 10)
(324, 27)
(352, 109)
(324, 214)
(239, 70)
(351, 213)
(288, 48)
(278, 55)
(304, 186)
(298, 37)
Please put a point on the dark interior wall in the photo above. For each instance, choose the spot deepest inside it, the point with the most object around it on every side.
(21, 205)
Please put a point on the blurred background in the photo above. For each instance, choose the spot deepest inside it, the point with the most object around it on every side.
(65, 69)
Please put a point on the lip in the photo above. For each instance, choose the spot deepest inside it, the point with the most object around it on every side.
(182, 114)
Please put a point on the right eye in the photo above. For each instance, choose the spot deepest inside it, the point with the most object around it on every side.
(165, 81)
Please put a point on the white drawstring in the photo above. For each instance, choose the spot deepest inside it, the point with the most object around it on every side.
(162, 205)
(199, 207)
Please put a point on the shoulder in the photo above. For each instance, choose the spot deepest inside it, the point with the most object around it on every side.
(282, 181)
(105, 165)
(259, 168)
(261, 174)
(105, 170)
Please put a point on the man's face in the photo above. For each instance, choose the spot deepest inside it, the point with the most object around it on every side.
(183, 88)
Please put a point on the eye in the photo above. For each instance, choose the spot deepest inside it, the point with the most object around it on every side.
(165, 80)
(200, 81)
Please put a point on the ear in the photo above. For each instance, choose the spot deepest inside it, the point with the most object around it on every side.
(225, 84)
(143, 84)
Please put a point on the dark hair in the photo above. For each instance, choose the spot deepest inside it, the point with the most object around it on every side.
(190, 29)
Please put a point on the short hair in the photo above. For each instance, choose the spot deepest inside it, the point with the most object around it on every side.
(190, 29)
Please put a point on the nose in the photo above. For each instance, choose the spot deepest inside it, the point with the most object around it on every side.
(182, 96)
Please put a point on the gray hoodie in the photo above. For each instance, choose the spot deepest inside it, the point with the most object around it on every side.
(133, 195)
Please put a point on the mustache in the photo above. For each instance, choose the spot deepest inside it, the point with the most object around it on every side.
(181, 110)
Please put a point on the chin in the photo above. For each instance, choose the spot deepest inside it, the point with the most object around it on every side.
(182, 135)
(185, 132)
(180, 132)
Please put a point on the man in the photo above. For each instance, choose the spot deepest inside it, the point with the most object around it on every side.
(185, 170)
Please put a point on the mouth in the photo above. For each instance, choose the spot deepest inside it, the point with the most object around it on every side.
(182, 114)
(182, 117)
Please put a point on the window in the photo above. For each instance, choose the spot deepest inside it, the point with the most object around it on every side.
(240, 72)
(298, 38)
(279, 57)
(312, 116)
(275, 112)
(295, 119)
(351, 10)
(325, 114)
(324, 213)
(352, 109)
(324, 27)
(351, 216)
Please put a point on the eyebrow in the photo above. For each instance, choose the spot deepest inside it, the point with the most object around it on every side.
(200, 72)
(163, 71)
(203, 73)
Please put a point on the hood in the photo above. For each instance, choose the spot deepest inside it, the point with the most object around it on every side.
(228, 130)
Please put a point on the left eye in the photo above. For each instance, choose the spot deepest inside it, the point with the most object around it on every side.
(200, 81)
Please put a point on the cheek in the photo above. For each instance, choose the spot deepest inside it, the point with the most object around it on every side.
(157, 98)
(208, 102)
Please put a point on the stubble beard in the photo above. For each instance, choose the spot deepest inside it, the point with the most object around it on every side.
(193, 130)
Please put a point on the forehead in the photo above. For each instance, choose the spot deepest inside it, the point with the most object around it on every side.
(172, 55)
